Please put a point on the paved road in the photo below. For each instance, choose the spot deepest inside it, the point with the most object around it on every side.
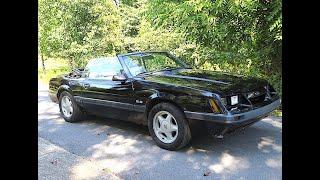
(127, 151)
(57, 163)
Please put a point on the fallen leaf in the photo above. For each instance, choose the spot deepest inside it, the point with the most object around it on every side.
(206, 173)
(53, 162)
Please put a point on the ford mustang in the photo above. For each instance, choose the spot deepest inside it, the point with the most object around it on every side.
(160, 91)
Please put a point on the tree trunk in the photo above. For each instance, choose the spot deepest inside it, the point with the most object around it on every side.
(71, 63)
(43, 65)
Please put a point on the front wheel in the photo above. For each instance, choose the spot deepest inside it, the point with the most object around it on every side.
(168, 126)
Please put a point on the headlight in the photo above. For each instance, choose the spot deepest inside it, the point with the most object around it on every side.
(234, 100)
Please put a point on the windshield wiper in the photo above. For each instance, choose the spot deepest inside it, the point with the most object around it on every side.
(174, 68)
(165, 69)
(144, 73)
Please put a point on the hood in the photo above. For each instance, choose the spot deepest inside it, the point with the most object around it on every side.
(212, 81)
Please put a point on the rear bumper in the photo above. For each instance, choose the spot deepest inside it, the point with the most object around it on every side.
(53, 96)
(223, 124)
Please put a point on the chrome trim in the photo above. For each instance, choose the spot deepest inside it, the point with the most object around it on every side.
(113, 104)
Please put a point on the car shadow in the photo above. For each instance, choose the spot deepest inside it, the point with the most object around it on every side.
(201, 139)
(233, 153)
(251, 135)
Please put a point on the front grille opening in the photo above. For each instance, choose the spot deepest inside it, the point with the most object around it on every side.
(272, 91)
(242, 106)
(251, 100)
(258, 99)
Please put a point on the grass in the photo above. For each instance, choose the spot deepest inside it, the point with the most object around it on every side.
(50, 73)
(277, 113)
(54, 67)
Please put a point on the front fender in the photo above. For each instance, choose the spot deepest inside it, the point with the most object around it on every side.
(184, 101)
(64, 88)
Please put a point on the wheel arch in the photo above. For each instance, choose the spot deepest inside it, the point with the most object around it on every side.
(63, 88)
(154, 101)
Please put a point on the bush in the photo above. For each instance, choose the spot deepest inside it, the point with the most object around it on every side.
(50, 73)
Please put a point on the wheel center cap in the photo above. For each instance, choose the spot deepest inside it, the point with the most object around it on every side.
(165, 125)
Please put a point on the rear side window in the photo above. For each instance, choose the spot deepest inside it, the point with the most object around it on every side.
(103, 68)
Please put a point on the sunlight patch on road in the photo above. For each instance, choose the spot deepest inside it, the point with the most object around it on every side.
(114, 165)
(114, 145)
(44, 108)
(274, 163)
(108, 152)
(229, 163)
(85, 169)
(268, 143)
(275, 123)
(167, 156)
(190, 151)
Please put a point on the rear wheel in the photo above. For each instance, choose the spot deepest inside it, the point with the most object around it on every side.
(68, 108)
(168, 126)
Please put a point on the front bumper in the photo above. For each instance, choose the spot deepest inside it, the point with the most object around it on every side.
(224, 123)
(234, 118)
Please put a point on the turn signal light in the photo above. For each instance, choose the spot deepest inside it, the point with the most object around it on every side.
(214, 106)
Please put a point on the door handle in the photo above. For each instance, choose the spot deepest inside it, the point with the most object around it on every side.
(86, 85)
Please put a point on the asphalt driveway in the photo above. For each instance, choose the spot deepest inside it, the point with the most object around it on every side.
(128, 152)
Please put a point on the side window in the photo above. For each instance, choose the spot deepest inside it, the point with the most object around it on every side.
(103, 68)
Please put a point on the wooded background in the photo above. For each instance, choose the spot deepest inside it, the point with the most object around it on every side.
(235, 36)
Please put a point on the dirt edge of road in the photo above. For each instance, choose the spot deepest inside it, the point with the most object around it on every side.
(55, 162)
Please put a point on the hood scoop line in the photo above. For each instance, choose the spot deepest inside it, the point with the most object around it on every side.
(195, 78)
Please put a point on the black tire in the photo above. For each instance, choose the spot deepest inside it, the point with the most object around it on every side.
(77, 114)
(184, 133)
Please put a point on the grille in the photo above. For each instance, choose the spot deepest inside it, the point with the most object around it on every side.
(257, 99)
(252, 100)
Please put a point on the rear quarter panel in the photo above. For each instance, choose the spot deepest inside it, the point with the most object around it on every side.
(62, 83)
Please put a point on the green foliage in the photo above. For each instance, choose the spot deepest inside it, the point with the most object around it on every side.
(45, 77)
(79, 29)
(277, 113)
(236, 36)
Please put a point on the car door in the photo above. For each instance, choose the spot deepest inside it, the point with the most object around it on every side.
(101, 95)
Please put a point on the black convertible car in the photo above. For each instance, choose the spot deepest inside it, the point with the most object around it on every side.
(159, 90)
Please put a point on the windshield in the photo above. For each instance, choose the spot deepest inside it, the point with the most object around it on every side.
(103, 68)
(151, 62)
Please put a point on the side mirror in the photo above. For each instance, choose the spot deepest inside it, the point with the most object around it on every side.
(119, 77)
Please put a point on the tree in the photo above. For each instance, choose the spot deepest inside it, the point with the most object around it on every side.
(238, 36)
(79, 29)
(241, 36)
(48, 29)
